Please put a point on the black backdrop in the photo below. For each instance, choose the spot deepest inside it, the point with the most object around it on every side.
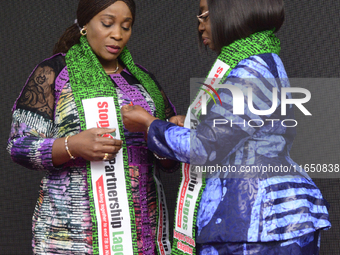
(164, 40)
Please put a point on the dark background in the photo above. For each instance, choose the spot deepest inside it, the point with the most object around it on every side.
(164, 40)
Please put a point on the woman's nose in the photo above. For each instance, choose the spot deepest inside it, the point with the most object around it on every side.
(201, 27)
(116, 33)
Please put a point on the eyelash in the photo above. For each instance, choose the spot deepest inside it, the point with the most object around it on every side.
(125, 28)
(106, 25)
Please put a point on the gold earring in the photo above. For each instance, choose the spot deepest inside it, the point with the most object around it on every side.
(83, 31)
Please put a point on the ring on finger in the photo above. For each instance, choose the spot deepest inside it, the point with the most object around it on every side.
(106, 156)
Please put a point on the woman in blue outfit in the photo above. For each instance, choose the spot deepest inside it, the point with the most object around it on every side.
(257, 200)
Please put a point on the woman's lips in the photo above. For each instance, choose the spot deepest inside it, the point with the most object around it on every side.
(113, 49)
(205, 41)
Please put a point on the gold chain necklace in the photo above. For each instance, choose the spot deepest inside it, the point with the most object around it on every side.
(114, 71)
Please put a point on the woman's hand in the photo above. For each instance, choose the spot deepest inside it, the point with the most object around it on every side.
(91, 145)
(88, 144)
(178, 120)
(136, 118)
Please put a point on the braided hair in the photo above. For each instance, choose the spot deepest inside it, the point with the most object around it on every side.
(87, 9)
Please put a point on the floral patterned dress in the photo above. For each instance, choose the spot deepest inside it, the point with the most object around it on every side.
(44, 112)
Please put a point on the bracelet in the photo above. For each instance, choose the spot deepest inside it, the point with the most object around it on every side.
(66, 147)
(158, 157)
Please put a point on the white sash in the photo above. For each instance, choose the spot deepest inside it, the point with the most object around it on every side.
(109, 184)
(191, 180)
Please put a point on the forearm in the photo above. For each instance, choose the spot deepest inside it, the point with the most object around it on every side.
(31, 146)
(59, 153)
(32, 152)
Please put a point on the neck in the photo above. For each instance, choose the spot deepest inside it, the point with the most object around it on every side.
(114, 70)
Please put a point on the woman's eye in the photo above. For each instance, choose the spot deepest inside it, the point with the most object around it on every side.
(126, 28)
(106, 25)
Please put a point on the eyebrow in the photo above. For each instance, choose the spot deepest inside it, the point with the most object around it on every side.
(112, 16)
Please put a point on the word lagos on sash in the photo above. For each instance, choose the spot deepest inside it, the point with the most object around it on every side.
(192, 181)
(109, 186)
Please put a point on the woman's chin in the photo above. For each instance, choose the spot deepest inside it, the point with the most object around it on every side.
(211, 46)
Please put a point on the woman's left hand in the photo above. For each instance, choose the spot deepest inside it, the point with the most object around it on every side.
(136, 118)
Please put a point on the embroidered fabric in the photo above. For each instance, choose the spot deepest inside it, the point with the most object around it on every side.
(147, 238)
(131, 92)
(139, 155)
(36, 133)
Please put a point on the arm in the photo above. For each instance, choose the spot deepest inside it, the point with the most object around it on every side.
(137, 119)
(89, 145)
(213, 143)
(33, 141)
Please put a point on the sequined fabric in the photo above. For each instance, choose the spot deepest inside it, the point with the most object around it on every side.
(61, 221)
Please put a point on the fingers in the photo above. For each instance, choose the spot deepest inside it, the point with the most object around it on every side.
(106, 136)
(110, 141)
(178, 120)
(104, 145)
(129, 108)
(126, 108)
(111, 152)
(111, 149)
(106, 153)
(102, 131)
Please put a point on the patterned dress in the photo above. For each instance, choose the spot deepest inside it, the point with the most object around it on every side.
(44, 112)
(249, 209)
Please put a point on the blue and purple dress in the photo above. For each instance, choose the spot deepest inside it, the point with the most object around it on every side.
(245, 212)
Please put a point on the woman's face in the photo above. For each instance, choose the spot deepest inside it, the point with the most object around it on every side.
(204, 25)
(108, 32)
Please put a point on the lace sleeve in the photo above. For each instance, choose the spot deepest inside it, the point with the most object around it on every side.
(38, 93)
(31, 138)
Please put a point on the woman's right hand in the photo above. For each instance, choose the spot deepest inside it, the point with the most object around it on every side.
(88, 144)
(178, 120)
(136, 118)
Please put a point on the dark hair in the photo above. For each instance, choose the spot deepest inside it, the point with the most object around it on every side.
(87, 9)
(235, 19)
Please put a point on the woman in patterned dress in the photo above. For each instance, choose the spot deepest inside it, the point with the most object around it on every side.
(46, 133)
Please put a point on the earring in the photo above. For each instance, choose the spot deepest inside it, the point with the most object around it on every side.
(83, 31)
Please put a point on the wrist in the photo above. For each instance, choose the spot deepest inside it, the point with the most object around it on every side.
(148, 124)
(67, 148)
